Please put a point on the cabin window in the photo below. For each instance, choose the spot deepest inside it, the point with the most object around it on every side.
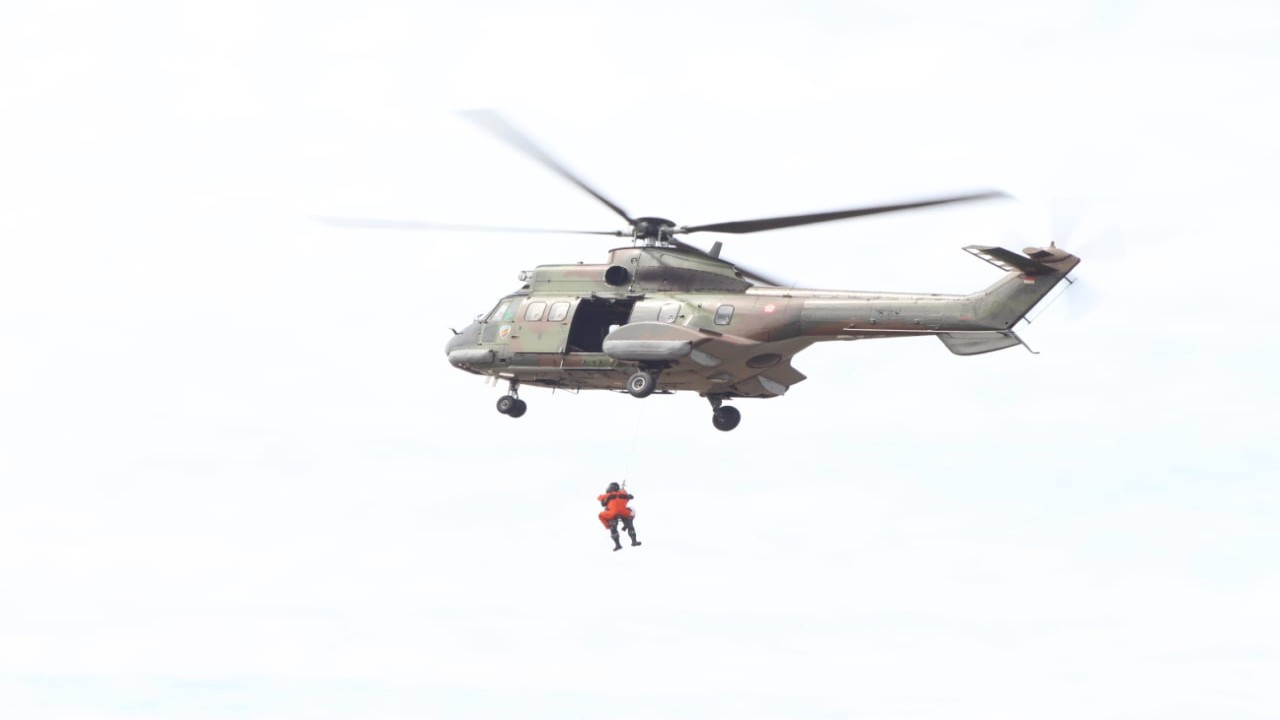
(559, 311)
(534, 312)
(669, 313)
(724, 314)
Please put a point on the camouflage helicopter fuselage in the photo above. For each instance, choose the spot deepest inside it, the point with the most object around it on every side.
(694, 323)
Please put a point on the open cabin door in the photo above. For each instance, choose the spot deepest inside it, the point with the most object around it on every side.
(593, 319)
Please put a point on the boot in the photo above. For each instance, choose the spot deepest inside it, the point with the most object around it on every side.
(613, 533)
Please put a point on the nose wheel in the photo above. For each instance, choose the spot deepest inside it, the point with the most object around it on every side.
(724, 417)
(511, 405)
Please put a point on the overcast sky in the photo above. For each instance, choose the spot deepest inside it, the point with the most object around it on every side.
(238, 477)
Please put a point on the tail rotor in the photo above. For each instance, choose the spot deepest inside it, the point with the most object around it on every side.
(1083, 230)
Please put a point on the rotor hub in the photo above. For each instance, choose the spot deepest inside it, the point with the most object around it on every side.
(653, 230)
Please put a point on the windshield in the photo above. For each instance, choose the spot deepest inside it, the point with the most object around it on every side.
(505, 312)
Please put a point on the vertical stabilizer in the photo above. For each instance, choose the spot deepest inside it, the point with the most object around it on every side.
(1027, 281)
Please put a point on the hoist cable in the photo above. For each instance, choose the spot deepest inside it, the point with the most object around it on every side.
(631, 451)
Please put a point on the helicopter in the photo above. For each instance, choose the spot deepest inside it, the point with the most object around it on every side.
(663, 316)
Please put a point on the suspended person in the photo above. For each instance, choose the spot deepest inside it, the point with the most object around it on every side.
(614, 501)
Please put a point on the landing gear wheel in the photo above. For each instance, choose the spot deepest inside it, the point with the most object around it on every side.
(726, 418)
(641, 384)
(507, 403)
(518, 409)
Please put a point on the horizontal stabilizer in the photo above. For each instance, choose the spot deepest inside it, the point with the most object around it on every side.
(1008, 260)
(976, 343)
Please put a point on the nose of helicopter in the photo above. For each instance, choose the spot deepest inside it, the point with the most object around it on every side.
(468, 336)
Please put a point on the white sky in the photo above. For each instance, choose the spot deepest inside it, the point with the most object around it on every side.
(239, 479)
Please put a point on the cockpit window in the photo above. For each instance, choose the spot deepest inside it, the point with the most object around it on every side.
(559, 311)
(534, 311)
(504, 312)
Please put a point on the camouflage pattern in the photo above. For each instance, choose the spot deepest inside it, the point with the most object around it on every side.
(698, 325)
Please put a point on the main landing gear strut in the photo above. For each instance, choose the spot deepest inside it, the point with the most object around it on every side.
(644, 381)
(510, 404)
(724, 417)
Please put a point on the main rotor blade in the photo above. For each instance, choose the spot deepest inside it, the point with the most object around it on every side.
(750, 226)
(746, 272)
(374, 224)
(494, 123)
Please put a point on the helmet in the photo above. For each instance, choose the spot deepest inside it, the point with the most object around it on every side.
(613, 487)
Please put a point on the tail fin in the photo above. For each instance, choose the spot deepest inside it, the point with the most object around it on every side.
(1026, 283)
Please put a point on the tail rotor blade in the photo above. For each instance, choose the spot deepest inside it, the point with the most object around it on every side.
(1083, 298)
(1080, 228)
